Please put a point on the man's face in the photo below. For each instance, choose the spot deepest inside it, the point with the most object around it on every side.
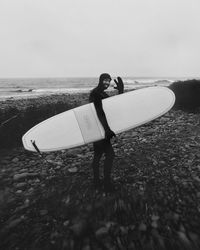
(106, 83)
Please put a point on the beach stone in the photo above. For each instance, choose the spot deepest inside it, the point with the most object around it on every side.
(154, 224)
(184, 238)
(23, 170)
(101, 232)
(50, 157)
(21, 185)
(43, 212)
(79, 228)
(194, 237)
(14, 223)
(37, 181)
(66, 223)
(31, 190)
(19, 191)
(73, 170)
(59, 163)
(155, 217)
(142, 227)
(149, 132)
(15, 160)
(18, 177)
(27, 202)
(32, 162)
(87, 247)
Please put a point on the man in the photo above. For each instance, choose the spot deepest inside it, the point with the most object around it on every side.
(104, 146)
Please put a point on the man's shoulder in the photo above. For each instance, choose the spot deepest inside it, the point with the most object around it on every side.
(94, 93)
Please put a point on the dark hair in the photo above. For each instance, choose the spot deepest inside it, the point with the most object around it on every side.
(104, 76)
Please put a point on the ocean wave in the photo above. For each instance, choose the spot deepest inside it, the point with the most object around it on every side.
(61, 90)
(22, 90)
(147, 81)
(15, 90)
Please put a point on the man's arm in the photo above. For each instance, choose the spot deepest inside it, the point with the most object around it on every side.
(102, 117)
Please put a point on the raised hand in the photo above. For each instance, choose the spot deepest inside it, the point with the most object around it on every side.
(120, 85)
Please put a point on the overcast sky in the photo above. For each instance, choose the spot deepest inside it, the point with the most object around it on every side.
(63, 38)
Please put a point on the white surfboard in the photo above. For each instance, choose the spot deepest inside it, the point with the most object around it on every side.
(81, 125)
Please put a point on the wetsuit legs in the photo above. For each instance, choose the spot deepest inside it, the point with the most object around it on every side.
(108, 163)
(95, 166)
(100, 148)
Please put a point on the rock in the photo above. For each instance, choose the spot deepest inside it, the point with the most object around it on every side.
(32, 162)
(31, 190)
(43, 212)
(184, 238)
(101, 232)
(123, 230)
(149, 132)
(50, 157)
(18, 177)
(154, 224)
(162, 162)
(27, 202)
(19, 191)
(79, 228)
(155, 217)
(196, 178)
(73, 170)
(15, 160)
(21, 185)
(22, 170)
(59, 163)
(77, 151)
(175, 216)
(134, 134)
(14, 223)
(87, 247)
(194, 237)
(142, 227)
(66, 223)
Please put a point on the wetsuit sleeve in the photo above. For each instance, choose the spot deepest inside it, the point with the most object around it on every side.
(100, 112)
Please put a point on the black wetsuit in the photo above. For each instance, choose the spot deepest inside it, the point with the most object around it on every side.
(103, 146)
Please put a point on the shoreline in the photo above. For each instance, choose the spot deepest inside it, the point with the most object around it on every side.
(38, 94)
(32, 93)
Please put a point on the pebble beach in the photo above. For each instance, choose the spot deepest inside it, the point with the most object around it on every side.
(49, 202)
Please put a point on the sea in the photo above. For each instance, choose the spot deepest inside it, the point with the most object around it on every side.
(30, 87)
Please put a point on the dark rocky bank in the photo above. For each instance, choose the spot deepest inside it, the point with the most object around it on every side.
(49, 202)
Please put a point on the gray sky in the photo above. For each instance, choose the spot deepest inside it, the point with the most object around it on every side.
(58, 38)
